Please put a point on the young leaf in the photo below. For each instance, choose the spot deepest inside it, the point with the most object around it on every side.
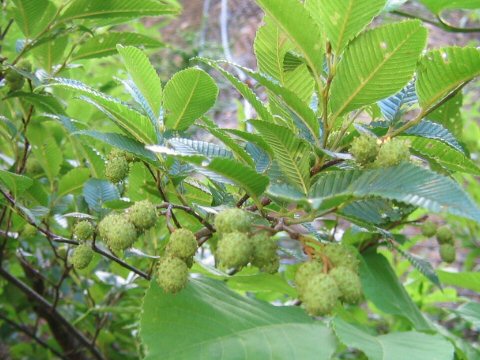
(87, 9)
(297, 24)
(442, 71)
(195, 147)
(50, 156)
(364, 74)
(393, 107)
(407, 183)
(343, 19)
(143, 75)
(188, 95)
(286, 332)
(289, 151)
(106, 44)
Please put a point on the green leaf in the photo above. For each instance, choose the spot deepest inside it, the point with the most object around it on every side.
(431, 130)
(143, 75)
(129, 120)
(442, 71)
(297, 24)
(382, 287)
(122, 142)
(407, 183)
(295, 104)
(449, 115)
(73, 181)
(238, 151)
(195, 147)
(409, 345)
(242, 175)
(188, 95)
(444, 155)
(106, 44)
(421, 265)
(343, 19)
(271, 46)
(17, 184)
(42, 102)
(33, 16)
(97, 192)
(364, 74)
(87, 9)
(50, 156)
(394, 106)
(243, 89)
(224, 324)
(466, 280)
(436, 6)
(289, 151)
(470, 312)
(51, 53)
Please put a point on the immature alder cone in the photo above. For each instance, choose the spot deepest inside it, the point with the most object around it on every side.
(117, 231)
(393, 153)
(230, 220)
(364, 149)
(234, 250)
(444, 235)
(116, 168)
(321, 295)
(448, 253)
(306, 271)
(429, 229)
(342, 255)
(83, 230)
(182, 244)
(143, 215)
(348, 283)
(82, 256)
(172, 274)
(265, 255)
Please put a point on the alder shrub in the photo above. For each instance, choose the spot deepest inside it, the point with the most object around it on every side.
(123, 234)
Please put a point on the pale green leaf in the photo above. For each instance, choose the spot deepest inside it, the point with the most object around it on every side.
(208, 321)
(189, 94)
(106, 44)
(364, 74)
(442, 71)
(465, 279)
(143, 75)
(343, 19)
(51, 53)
